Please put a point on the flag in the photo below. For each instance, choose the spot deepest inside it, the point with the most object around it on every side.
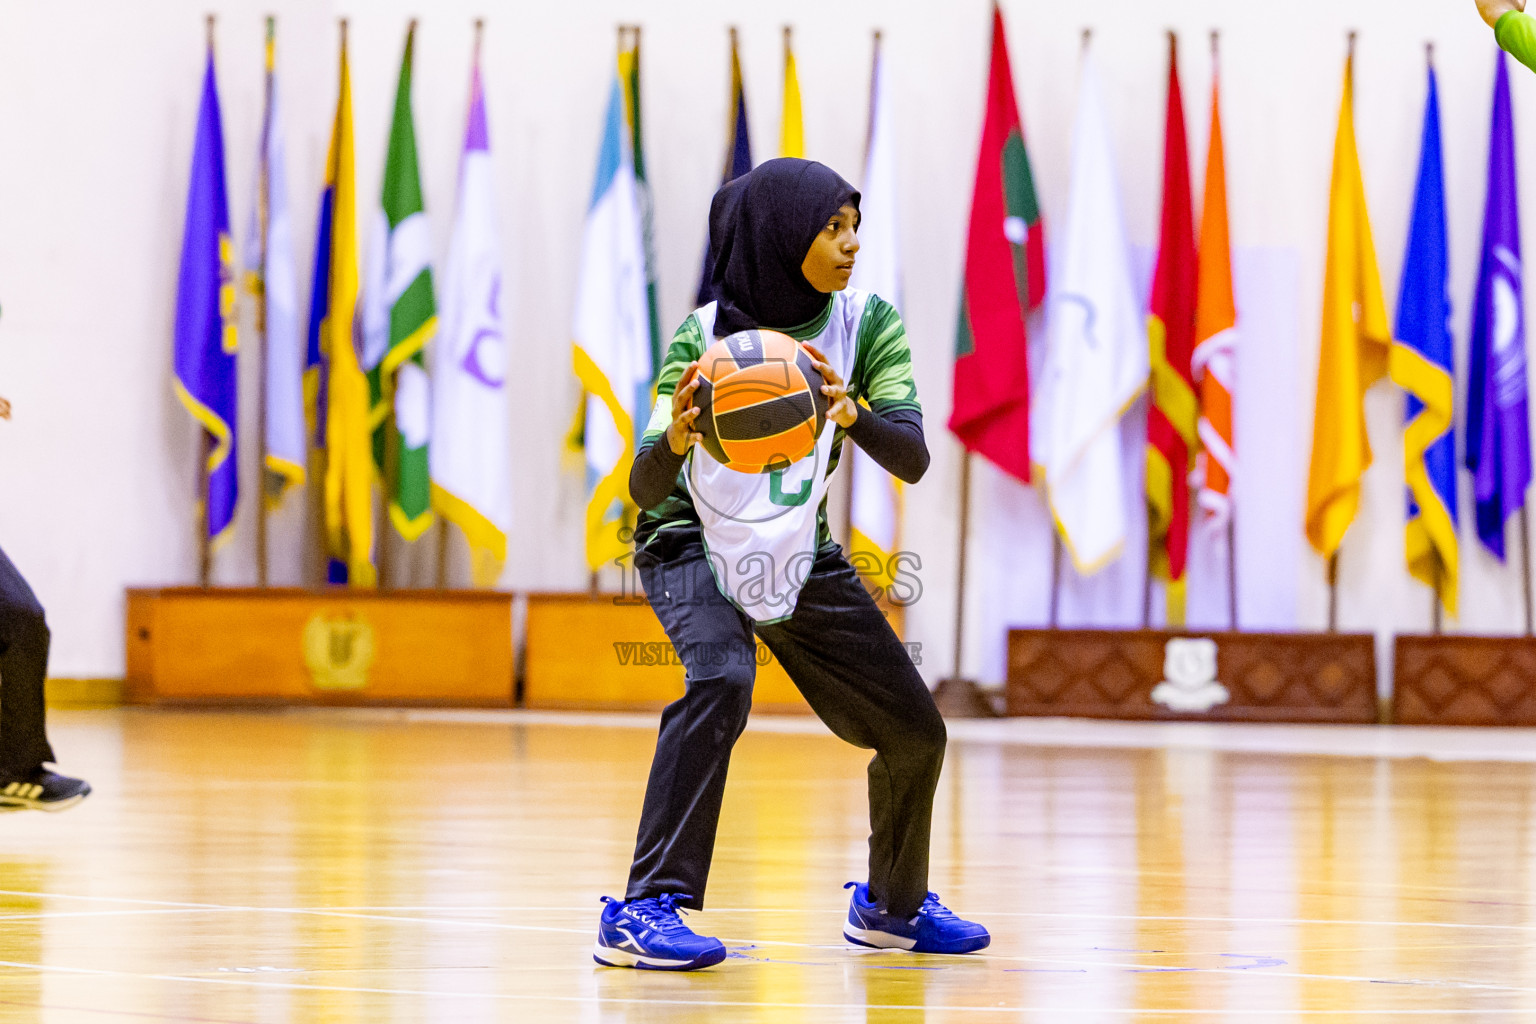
(472, 440)
(399, 317)
(1498, 433)
(273, 277)
(612, 347)
(629, 70)
(343, 409)
(319, 303)
(1173, 413)
(207, 379)
(738, 160)
(875, 509)
(1214, 363)
(1355, 339)
(1096, 354)
(791, 123)
(1421, 364)
(1004, 280)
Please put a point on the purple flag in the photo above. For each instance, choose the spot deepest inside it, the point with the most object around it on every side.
(1498, 433)
(205, 358)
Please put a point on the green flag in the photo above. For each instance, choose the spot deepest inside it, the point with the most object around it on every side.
(399, 318)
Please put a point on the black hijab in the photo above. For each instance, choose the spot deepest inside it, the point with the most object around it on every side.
(761, 225)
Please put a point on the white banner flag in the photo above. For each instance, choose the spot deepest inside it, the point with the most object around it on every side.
(876, 500)
(1096, 363)
(471, 455)
(612, 341)
(276, 275)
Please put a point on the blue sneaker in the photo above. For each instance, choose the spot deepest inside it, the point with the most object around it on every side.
(650, 935)
(935, 928)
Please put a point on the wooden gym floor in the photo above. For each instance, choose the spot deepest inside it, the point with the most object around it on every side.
(387, 866)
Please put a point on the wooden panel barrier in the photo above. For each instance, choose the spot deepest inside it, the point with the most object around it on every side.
(1464, 680)
(1153, 674)
(421, 647)
(609, 653)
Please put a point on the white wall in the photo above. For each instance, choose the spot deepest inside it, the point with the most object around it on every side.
(96, 118)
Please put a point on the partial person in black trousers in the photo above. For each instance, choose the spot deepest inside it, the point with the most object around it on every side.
(25, 782)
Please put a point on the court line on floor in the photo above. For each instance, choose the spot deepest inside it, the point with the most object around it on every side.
(602, 1000)
(124, 1013)
(51, 915)
(1394, 742)
(1059, 961)
(171, 907)
(355, 911)
(802, 945)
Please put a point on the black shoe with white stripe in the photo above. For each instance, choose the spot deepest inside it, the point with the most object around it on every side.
(41, 790)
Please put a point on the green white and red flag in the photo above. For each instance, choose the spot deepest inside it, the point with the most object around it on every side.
(1004, 280)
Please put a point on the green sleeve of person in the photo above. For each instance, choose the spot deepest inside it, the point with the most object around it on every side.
(1512, 27)
(687, 345)
(1516, 33)
(882, 365)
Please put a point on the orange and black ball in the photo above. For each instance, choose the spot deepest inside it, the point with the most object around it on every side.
(760, 401)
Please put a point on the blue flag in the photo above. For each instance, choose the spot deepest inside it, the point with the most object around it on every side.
(1498, 432)
(1421, 364)
(738, 161)
(319, 308)
(206, 378)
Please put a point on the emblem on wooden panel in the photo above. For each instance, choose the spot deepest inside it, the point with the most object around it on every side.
(1189, 671)
(338, 650)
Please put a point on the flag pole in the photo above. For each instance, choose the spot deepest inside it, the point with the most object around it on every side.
(1231, 566)
(391, 483)
(1146, 591)
(592, 576)
(869, 127)
(391, 450)
(1055, 574)
(1333, 592)
(869, 135)
(1333, 559)
(1525, 565)
(322, 456)
(1146, 580)
(263, 214)
(204, 446)
(1434, 604)
(965, 522)
(1231, 512)
(443, 526)
(204, 549)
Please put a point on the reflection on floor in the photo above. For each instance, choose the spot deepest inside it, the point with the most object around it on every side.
(384, 866)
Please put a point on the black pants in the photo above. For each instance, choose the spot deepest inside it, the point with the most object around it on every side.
(23, 666)
(842, 654)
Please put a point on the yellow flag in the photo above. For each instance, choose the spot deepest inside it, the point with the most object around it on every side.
(792, 125)
(1356, 338)
(348, 442)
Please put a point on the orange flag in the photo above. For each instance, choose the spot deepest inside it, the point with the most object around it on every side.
(1173, 413)
(1215, 332)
